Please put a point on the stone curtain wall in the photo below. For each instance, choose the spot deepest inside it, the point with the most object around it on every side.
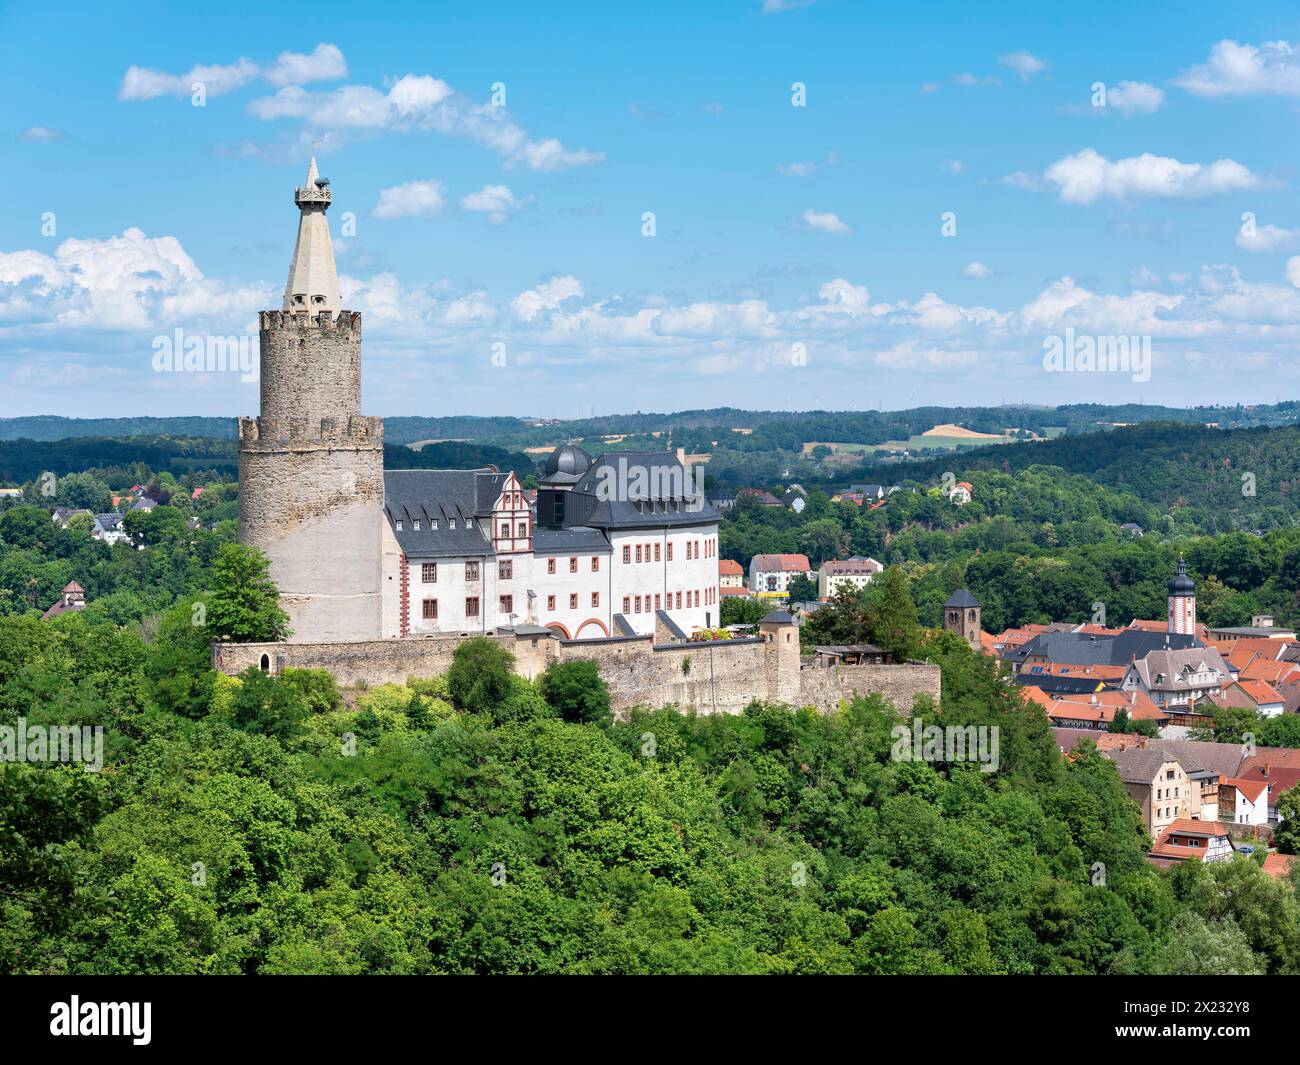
(722, 677)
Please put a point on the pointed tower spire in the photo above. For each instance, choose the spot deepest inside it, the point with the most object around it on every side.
(313, 284)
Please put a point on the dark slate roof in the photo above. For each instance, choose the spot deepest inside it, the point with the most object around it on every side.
(1058, 685)
(581, 538)
(623, 626)
(566, 465)
(109, 522)
(1088, 649)
(777, 617)
(962, 598)
(654, 486)
(441, 495)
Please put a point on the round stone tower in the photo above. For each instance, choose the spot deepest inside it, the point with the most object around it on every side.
(311, 467)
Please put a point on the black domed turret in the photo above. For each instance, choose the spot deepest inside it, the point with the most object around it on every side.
(568, 459)
(1181, 584)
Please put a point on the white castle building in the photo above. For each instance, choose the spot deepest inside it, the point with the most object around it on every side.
(618, 543)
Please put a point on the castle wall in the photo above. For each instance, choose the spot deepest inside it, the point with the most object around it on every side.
(310, 367)
(717, 677)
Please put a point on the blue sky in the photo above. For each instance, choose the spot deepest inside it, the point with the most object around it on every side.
(798, 258)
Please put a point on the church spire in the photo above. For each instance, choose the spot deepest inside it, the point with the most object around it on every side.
(313, 284)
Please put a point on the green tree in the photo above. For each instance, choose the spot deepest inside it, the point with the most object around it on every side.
(891, 615)
(479, 677)
(801, 589)
(577, 692)
(1287, 834)
(245, 604)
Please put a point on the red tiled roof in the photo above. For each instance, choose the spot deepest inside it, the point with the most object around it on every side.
(783, 563)
(1278, 866)
(730, 567)
(733, 591)
(1252, 789)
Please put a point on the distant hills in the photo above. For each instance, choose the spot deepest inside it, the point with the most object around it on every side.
(765, 430)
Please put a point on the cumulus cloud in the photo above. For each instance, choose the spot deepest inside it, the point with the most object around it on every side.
(1254, 237)
(773, 7)
(1023, 63)
(496, 201)
(413, 198)
(1235, 69)
(1088, 176)
(1135, 98)
(823, 222)
(325, 63)
(976, 270)
(529, 304)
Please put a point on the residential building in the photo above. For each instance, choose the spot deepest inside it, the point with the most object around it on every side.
(773, 573)
(1158, 784)
(1179, 679)
(108, 527)
(731, 574)
(1186, 840)
(1244, 801)
(845, 573)
(72, 598)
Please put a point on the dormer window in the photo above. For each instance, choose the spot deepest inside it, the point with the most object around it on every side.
(399, 524)
(451, 523)
(416, 525)
(433, 523)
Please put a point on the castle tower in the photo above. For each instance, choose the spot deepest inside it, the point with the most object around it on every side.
(1182, 602)
(311, 484)
(781, 656)
(961, 614)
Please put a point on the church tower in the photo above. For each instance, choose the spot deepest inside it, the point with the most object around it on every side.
(311, 466)
(1182, 602)
(961, 614)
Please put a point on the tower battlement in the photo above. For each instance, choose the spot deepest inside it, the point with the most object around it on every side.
(355, 432)
(323, 322)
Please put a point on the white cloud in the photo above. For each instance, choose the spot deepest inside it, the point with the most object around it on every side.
(976, 270)
(1135, 98)
(1088, 176)
(325, 63)
(1293, 270)
(529, 304)
(420, 102)
(1266, 238)
(772, 7)
(823, 222)
(41, 134)
(1234, 69)
(1023, 63)
(954, 166)
(496, 201)
(796, 169)
(969, 79)
(413, 198)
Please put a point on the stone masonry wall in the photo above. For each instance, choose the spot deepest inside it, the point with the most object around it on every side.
(722, 677)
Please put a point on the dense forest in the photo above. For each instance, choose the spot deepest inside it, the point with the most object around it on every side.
(481, 823)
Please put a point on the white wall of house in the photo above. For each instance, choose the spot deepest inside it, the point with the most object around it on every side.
(571, 593)
(1246, 812)
(672, 569)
